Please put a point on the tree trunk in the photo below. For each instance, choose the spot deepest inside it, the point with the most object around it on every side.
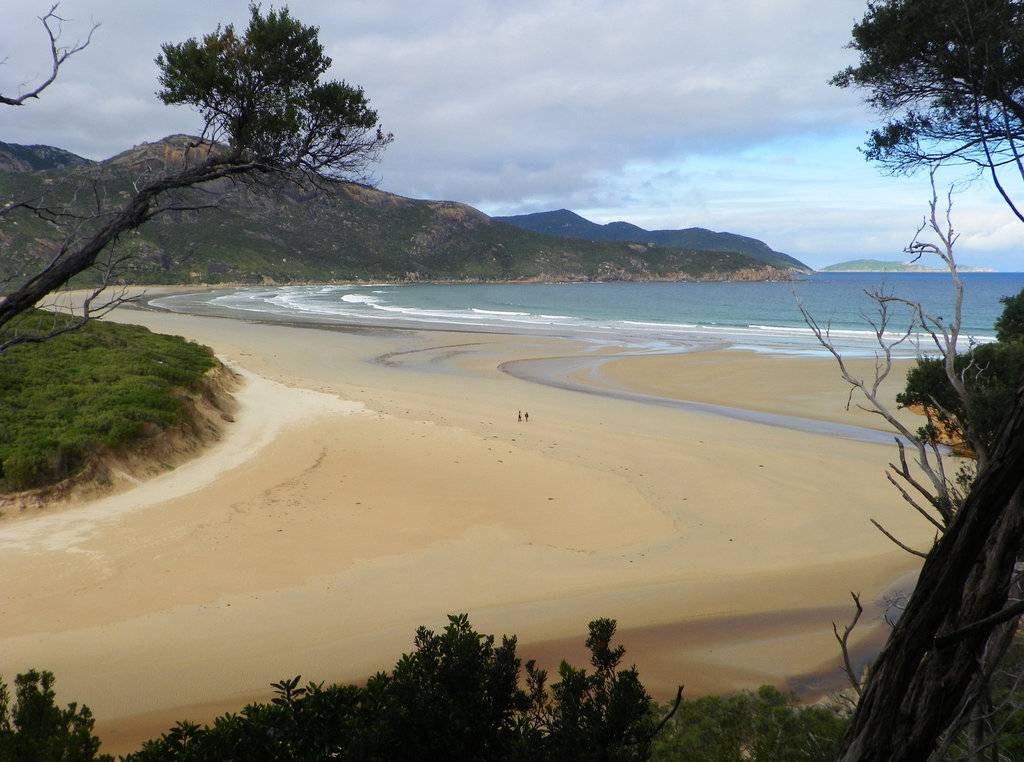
(924, 677)
(140, 208)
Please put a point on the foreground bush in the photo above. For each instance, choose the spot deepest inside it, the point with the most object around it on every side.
(34, 729)
(766, 726)
(456, 697)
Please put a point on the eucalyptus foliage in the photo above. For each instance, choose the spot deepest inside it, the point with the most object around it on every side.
(948, 77)
(261, 91)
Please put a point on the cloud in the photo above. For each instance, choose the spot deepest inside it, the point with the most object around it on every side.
(561, 89)
(666, 113)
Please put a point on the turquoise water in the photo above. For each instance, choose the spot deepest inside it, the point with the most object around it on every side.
(652, 316)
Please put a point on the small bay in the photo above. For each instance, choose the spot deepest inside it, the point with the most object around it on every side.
(760, 316)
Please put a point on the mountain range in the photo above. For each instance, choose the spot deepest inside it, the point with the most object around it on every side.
(571, 225)
(16, 158)
(353, 233)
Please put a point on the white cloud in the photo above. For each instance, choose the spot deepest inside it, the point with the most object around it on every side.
(666, 113)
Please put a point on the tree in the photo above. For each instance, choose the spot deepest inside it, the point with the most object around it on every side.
(262, 95)
(933, 676)
(942, 652)
(457, 696)
(1010, 323)
(34, 729)
(924, 483)
(604, 715)
(269, 119)
(949, 77)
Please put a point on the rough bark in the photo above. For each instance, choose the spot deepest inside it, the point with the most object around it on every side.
(925, 676)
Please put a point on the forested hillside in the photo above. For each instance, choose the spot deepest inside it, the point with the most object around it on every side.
(344, 233)
(566, 223)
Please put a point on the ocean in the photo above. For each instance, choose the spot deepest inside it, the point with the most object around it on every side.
(650, 317)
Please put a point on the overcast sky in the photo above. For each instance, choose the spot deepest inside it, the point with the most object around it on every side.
(663, 113)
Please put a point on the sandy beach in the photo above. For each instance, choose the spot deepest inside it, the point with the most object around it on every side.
(378, 479)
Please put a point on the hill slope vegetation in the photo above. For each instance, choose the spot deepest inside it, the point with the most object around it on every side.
(352, 233)
(566, 223)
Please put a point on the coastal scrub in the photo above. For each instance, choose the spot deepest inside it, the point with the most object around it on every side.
(91, 391)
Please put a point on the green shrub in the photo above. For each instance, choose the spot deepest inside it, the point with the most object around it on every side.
(750, 727)
(33, 728)
(67, 399)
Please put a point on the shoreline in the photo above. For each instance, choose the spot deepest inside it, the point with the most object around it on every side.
(399, 487)
(604, 372)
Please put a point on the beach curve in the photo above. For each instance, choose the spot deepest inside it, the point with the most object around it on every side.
(343, 532)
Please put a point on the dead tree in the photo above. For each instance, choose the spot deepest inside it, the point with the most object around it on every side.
(923, 481)
(58, 55)
(940, 654)
(931, 678)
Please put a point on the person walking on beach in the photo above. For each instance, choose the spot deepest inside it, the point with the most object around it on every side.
(526, 417)
(520, 416)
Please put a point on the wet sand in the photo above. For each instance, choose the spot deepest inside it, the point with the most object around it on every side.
(376, 480)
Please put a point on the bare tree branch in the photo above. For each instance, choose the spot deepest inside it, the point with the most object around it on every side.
(941, 495)
(914, 504)
(670, 714)
(844, 644)
(58, 56)
(888, 534)
(941, 502)
(72, 321)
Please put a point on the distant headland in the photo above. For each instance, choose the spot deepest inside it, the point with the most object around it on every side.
(879, 266)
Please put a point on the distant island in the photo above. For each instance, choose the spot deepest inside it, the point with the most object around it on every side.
(879, 266)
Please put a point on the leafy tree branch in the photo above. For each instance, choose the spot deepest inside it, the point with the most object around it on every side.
(269, 119)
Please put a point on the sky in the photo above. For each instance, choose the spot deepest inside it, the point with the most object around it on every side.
(664, 113)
